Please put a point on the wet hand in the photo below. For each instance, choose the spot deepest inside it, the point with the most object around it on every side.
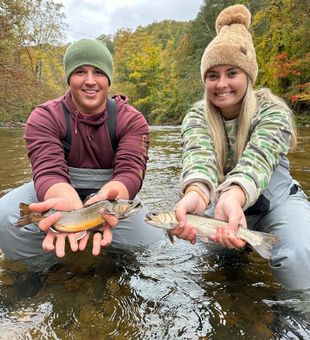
(52, 203)
(226, 237)
(229, 208)
(55, 241)
(188, 204)
(186, 233)
(103, 236)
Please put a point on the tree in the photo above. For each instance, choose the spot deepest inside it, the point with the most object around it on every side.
(12, 81)
(282, 44)
(137, 60)
(30, 63)
(190, 51)
(108, 40)
(44, 29)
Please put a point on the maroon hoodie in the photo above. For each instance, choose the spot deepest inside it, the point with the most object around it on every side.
(90, 144)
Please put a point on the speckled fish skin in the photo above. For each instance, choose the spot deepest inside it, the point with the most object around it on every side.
(84, 218)
(206, 226)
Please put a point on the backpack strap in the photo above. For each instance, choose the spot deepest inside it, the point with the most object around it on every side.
(111, 110)
(67, 141)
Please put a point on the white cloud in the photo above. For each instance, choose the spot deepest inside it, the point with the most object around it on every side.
(90, 18)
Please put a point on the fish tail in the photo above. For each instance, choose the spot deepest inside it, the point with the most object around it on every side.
(25, 215)
(264, 247)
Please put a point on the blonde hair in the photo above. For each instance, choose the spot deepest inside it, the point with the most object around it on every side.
(249, 107)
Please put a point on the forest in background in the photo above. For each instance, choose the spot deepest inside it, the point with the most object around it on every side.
(156, 66)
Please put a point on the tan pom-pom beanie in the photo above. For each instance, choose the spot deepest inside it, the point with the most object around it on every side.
(233, 44)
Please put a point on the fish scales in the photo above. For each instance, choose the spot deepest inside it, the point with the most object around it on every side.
(81, 219)
(206, 226)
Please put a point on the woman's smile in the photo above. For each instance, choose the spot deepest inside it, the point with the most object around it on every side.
(226, 86)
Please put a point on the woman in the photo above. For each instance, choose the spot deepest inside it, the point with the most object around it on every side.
(235, 145)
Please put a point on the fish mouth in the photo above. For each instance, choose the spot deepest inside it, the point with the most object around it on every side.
(136, 204)
(148, 218)
(132, 208)
(130, 203)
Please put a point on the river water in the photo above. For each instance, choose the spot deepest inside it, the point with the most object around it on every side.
(168, 291)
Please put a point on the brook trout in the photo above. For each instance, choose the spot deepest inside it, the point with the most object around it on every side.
(206, 226)
(81, 219)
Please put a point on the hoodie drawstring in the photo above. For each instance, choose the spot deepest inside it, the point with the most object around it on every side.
(76, 122)
(87, 133)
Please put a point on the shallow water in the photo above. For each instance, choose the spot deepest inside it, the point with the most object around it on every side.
(169, 291)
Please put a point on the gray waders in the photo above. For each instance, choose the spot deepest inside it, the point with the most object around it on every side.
(283, 209)
(26, 242)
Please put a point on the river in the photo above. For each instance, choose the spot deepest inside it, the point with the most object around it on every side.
(168, 291)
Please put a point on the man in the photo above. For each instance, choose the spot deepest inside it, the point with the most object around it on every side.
(75, 149)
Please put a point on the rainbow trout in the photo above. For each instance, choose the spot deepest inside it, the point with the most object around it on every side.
(206, 226)
(81, 219)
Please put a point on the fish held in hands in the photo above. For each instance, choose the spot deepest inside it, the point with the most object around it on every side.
(206, 226)
(85, 218)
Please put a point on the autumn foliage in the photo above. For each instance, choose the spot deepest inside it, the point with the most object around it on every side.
(157, 66)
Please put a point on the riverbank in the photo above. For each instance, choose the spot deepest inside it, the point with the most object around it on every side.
(301, 121)
(12, 125)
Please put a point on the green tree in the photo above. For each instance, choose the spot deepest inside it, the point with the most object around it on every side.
(190, 51)
(168, 35)
(44, 29)
(282, 29)
(13, 83)
(137, 61)
(30, 59)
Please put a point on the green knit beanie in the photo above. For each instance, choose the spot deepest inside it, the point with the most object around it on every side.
(88, 52)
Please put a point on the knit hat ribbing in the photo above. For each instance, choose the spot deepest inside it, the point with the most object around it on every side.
(88, 52)
(233, 44)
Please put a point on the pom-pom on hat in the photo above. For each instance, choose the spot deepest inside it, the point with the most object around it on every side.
(90, 52)
(233, 44)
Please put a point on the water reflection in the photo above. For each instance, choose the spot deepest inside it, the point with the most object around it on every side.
(168, 291)
(14, 163)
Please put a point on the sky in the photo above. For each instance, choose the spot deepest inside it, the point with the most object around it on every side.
(91, 18)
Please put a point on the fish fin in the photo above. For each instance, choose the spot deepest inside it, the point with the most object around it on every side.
(204, 238)
(25, 217)
(171, 238)
(264, 248)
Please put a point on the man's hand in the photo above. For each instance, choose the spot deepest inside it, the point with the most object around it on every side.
(55, 241)
(102, 237)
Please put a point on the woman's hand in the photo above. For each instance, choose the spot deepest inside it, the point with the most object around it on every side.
(191, 202)
(229, 208)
